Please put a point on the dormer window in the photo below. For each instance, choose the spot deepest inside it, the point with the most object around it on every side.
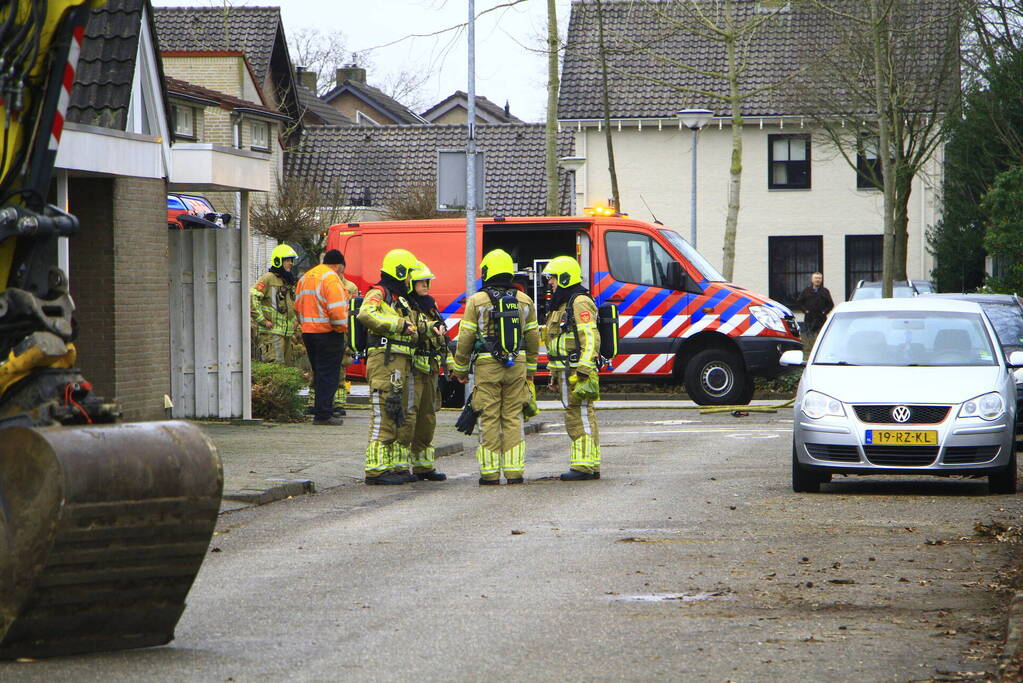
(260, 136)
(364, 120)
(184, 121)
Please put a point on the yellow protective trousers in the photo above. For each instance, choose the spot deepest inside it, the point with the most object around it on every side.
(277, 348)
(383, 452)
(581, 425)
(499, 394)
(416, 435)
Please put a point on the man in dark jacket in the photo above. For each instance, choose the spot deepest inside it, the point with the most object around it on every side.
(816, 302)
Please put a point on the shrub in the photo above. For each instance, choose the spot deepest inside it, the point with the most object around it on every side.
(275, 392)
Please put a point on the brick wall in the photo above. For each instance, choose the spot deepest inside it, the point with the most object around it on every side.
(119, 280)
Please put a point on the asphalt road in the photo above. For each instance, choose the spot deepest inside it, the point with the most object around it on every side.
(691, 559)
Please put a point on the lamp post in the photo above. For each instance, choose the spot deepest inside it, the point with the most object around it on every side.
(694, 120)
(572, 164)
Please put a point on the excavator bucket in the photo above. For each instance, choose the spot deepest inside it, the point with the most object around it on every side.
(102, 532)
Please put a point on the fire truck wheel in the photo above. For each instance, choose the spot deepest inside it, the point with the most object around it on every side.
(717, 377)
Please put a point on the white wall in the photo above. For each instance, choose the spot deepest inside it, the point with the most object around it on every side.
(654, 164)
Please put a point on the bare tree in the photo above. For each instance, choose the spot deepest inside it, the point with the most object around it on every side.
(551, 130)
(301, 212)
(602, 52)
(886, 81)
(733, 30)
(319, 52)
(417, 201)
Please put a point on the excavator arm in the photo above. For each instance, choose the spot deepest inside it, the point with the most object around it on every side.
(103, 527)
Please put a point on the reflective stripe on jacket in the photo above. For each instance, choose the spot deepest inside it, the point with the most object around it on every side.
(563, 349)
(321, 302)
(386, 321)
(477, 325)
(274, 300)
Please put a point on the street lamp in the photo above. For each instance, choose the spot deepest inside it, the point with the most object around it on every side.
(573, 164)
(694, 120)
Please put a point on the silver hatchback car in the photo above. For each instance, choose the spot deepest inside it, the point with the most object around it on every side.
(905, 386)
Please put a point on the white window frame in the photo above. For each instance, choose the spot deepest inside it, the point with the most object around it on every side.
(257, 144)
(365, 118)
(179, 129)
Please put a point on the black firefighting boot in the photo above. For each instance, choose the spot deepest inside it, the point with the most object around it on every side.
(577, 475)
(387, 478)
(489, 482)
(515, 480)
(430, 475)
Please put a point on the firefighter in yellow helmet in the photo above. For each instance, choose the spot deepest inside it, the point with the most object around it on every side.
(573, 347)
(273, 310)
(430, 356)
(390, 322)
(499, 338)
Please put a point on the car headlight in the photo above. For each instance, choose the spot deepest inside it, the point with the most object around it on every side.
(817, 405)
(988, 406)
(768, 317)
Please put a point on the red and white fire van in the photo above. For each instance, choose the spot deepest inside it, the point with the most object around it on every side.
(680, 321)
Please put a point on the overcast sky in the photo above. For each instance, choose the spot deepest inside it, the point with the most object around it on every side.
(507, 64)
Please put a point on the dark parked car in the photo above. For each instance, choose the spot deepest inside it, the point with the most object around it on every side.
(1006, 315)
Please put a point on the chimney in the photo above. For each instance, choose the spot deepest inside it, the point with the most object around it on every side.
(507, 110)
(350, 73)
(306, 77)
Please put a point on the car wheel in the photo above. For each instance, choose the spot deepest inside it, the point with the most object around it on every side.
(717, 378)
(1005, 480)
(803, 480)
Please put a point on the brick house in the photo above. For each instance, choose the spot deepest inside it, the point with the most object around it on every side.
(455, 109)
(803, 208)
(365, 104)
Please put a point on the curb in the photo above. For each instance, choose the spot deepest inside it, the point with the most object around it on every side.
(1014, 629)
(287, 487)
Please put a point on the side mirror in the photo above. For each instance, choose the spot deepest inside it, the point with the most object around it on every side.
(1016, 359)
(792, 357)
(226, 217)
(679, 279)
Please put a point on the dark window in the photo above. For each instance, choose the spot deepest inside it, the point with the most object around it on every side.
(868, 165)
(635, 257)
(788, 158)
(792, 260)
(863, 256)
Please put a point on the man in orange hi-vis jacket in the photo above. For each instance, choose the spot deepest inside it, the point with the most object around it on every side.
(321, 302)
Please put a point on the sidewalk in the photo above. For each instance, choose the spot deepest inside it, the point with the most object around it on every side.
(264, 462)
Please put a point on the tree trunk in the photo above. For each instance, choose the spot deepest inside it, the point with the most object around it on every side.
(904, 187)
(553, 83)
(735, 170)
(879, 28)
(601, 51)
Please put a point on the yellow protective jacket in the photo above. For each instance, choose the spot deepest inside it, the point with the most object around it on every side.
(476, 326)
(274, 300)
(432, 347)
(575, 343)
(384, 316)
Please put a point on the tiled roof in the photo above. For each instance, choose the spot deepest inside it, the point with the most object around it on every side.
(178, 87)
(102, 91)
(251, 30)
(313, 106)
(385, 161)
(390, 106)
(641, 42)
(483, 105)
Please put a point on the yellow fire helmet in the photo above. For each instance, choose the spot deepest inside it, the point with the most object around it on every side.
(280, 253)
(565, 269)
(422, 272)
(496, 262)
(399, 263)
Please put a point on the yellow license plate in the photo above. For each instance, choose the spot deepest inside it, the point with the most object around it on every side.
(901, 437)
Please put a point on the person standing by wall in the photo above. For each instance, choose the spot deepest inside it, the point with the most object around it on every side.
(816, 302)
(391, 326)
(430, 355)
(573, 345)
(322, 307)
(273, 309)
(492, 315)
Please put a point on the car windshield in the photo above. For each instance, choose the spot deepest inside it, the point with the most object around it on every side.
(1007, 319)
(694, 257)
(875, 292)
(901, 338)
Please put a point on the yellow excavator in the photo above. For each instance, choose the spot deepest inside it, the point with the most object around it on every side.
(103, 526)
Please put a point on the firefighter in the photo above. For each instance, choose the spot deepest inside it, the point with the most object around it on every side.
(573, 344)
(389, 320)
(430, 356)
(341, 395)
(322, 307)
(499, 339)
(273, 310)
